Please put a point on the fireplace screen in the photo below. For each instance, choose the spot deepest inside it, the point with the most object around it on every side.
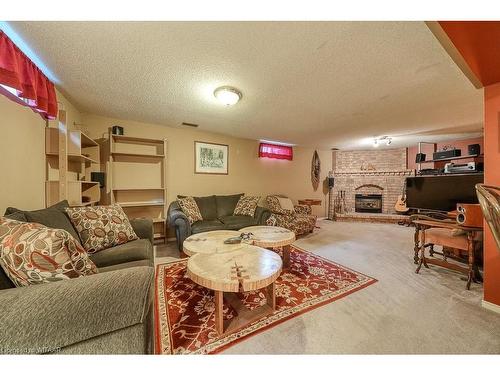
(368, 203)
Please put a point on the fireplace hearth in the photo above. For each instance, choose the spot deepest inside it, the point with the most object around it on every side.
(368, 203)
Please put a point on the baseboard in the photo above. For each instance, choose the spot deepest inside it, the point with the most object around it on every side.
(490, 306)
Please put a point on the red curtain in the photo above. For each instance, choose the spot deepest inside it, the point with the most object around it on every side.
(267, 150)
(32, 87)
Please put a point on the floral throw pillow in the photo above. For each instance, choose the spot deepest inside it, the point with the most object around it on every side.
(246, 206)
(31, 253)
(101, 227)
(190, 208)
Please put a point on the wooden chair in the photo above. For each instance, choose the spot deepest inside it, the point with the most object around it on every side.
(489, 199)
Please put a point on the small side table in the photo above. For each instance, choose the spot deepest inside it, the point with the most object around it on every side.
(310, 202)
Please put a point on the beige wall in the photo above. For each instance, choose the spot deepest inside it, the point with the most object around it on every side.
(22, 160)
(22, 149)
(73, 115)
(247, 172)
(21, 157)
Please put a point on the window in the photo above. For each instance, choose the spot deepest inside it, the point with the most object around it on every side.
(268, 150)
(22, 81)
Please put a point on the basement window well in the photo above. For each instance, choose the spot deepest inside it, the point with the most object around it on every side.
(268, 150)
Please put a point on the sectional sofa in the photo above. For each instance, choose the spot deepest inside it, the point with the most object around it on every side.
(110, 312)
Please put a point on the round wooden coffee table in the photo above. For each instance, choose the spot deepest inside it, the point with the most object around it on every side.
(249, 268)
(210, 242)
(271, 238)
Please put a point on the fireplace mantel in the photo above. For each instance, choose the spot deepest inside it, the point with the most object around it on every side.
(407, 172)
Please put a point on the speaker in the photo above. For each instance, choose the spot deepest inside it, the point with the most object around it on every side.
(446, 154)
(469, 215)
(420, 158)
(331, 182)
(99, 177)
(117, 130)
(474, 149)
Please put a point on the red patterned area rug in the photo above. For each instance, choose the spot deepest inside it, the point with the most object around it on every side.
(185, 311)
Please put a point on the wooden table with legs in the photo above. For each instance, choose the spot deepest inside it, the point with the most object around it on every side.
(310, 202)
(443, 236)
(247, 269)
(272, 238)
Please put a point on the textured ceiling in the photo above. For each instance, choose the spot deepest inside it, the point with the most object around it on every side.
(320, 84)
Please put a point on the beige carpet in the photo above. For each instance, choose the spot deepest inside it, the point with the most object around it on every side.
(403, 313)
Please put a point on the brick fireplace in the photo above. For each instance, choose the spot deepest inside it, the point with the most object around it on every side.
(371, 179)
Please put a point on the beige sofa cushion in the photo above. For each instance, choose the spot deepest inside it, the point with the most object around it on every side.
(286, 203)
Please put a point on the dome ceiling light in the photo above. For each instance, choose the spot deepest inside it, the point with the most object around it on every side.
(227, 95)
(385, 139)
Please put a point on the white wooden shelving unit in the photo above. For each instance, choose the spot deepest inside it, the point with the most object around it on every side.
(70, 158)
(136, 177)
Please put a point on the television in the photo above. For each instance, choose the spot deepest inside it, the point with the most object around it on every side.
(441, 193)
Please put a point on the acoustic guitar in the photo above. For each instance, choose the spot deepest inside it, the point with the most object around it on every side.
(400, 205)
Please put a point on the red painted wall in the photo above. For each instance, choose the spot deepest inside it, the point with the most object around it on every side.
(427, 149)
(477, 42)
(492, 177)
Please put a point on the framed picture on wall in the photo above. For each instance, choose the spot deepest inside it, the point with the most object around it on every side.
(211, 158)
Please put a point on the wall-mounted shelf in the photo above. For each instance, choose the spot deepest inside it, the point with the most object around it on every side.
(453, 158)
(133, 154)
(86, 141)
(449, 174)
(81, 159)
(76, 158)
(128, 139)
(79, 193)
